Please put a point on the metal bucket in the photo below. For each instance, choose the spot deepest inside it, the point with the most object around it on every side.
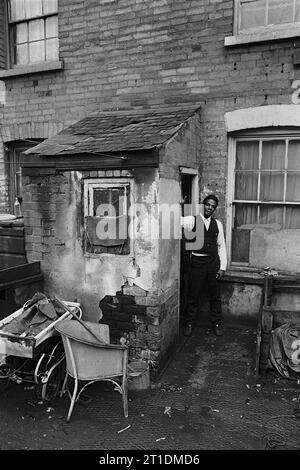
(138, 375)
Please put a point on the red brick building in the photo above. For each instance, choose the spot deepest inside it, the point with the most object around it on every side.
(235, 61)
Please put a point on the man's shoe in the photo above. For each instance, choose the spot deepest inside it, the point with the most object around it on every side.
(187, 329)
(217, 329)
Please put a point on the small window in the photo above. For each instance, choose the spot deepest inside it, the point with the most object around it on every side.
(33, 31)
(106, 216)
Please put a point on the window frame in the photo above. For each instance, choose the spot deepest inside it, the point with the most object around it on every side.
(89, 185)
(257, 135)
(11, 36)
(12, 69)
(260, 33)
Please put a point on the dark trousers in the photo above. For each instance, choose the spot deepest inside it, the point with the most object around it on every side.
(203, 272)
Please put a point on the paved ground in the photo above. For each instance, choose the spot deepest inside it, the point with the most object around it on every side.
(208, 398)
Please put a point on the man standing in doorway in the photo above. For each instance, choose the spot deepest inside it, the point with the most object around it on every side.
(207, 266)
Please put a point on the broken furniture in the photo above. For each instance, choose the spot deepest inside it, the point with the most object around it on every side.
(271, 317)
(90, 360)
(38, 358)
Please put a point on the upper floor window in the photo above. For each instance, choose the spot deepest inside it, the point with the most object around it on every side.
(254, 14)
(33, 31)
(258, 20)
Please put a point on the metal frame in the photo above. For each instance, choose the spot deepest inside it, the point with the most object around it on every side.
(47, 365)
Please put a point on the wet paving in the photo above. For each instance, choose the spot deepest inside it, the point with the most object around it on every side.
(209, 398)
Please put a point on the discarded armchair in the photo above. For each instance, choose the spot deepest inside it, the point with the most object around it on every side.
(90, 358)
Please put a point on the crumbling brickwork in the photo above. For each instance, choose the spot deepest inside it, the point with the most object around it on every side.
(145, 319)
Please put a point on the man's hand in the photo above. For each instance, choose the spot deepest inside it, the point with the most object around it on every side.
(220, 274)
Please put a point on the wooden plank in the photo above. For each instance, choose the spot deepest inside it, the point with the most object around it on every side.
(19, 272)
(267, 320)
(12, 245)
(21, 282)
(9, 261)
(11, 231)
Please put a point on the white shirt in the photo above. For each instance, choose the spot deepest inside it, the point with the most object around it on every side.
(188, 223)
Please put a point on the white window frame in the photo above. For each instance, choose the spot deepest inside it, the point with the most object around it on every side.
(195, 186)
(107, 183)
(261, 33)
(232, 140)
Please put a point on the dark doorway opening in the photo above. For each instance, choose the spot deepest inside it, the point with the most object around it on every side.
(187, 196)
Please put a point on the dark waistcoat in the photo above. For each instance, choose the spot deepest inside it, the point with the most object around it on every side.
(210, 246)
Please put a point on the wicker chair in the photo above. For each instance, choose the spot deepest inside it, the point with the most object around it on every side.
(89, 360)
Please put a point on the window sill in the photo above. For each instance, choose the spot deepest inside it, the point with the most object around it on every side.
(260, 36)
(106, 255)
(243, 277)
(32, 68)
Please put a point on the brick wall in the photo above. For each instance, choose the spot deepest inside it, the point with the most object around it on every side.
(124, 54)
(130, 53)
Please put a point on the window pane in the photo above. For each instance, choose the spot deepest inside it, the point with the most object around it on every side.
(51, 27)
(49, 6)
(271, 187)
(246, 186)
(280, 11)
(17, 10)
(252, 14)
(273, 155)
(247, 155)
(22, 54)
(245, 214)
(37, 51)
(293, 187)
(294, 155)
(33, 8)
(112, 198)
(51, 49)
(36, 30)
(271, 215)
(292, 218)
(22, 33)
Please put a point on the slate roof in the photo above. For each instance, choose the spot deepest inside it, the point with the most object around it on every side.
(116, 132)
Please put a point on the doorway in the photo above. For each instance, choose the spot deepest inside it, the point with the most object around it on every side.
(189, 198)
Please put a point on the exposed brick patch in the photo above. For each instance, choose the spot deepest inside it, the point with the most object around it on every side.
(147, 326)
